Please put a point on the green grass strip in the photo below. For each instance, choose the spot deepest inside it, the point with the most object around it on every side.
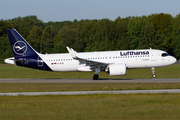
(88, 107)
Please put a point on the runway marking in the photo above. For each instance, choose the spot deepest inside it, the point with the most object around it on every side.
(93, 92)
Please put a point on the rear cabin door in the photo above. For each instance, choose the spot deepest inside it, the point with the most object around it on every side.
(40, 62)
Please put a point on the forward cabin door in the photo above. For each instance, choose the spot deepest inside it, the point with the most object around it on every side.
(153, 56)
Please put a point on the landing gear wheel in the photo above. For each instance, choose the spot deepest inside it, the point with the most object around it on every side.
(153, 72)
(96, 76)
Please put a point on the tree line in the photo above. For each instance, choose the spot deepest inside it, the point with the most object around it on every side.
(158, 31)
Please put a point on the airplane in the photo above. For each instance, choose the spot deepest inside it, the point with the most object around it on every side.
(113, 62)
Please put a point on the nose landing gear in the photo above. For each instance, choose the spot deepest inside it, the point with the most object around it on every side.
(153, 71)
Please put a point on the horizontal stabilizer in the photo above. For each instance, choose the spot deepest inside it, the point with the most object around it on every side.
(13, 61)
(18, 60)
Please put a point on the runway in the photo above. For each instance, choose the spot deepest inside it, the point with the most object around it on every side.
(26, 80)
(40, 80)
(93, 92)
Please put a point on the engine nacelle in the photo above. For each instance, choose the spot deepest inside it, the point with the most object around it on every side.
(117, 69)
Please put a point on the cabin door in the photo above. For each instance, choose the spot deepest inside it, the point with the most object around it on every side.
(40, 62)
(153, 56)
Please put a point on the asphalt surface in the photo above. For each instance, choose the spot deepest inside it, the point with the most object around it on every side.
(162, 80)
(25, 80)
(93, 92)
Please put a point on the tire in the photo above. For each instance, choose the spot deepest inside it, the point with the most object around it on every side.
(95, 77)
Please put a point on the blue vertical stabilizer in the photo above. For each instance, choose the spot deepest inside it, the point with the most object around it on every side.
(24, 54)
(19, 45)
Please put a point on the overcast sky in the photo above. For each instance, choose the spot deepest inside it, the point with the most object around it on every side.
(63, 10)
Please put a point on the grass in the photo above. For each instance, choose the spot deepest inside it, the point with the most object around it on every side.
(10, 71)
(96, 107)
(45, 87)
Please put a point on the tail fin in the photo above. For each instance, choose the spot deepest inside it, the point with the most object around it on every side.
(19, 45)
(24, 54)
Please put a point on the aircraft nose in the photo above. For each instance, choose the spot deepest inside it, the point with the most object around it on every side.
(173, 60)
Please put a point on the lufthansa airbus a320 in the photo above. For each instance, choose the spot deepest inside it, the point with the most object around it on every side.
(112, 62)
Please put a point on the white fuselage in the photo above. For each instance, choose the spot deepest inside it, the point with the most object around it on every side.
(145, 58)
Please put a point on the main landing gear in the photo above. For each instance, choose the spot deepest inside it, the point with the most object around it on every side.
(96, 76)
(153, 71)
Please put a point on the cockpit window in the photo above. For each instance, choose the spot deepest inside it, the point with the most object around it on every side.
(165, 54)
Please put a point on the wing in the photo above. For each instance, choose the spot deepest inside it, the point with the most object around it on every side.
(87, 62)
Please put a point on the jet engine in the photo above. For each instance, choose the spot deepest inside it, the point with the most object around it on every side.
(117, 69)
